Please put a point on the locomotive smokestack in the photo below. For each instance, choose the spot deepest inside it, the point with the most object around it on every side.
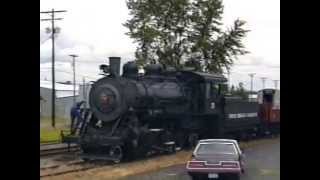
(114, 63)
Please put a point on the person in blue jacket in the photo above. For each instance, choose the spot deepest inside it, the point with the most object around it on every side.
(76, 116)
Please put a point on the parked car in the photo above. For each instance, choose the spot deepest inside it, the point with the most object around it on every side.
(216, 159)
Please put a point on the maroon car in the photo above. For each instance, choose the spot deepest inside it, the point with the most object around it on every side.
(216, 159)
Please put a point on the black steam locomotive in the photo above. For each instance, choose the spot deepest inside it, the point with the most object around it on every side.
(161, 110)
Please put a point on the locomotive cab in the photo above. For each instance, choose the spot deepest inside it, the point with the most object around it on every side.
(208, 91)
(215, 92)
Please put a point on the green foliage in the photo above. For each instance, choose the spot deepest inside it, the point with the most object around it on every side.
(239, 91)
(182, 33)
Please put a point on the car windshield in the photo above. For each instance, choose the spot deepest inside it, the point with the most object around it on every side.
(216, 148)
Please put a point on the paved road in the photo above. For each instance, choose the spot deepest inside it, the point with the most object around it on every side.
(262, 163)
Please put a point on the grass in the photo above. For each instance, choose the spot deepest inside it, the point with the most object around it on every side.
(49, 133)
(50, 136)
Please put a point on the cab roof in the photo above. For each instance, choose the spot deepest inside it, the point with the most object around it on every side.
(207, 76)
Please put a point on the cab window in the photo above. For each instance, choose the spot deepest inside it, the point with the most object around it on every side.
(214, 89)
(208, 90)
(223, 89)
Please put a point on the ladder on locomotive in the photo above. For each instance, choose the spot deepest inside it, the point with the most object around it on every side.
(81, 126)
(73, 135)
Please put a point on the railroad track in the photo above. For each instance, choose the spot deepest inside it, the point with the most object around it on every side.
(72, 166)
(57, 148)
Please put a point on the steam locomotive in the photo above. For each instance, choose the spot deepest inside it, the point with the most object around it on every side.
(163, 110)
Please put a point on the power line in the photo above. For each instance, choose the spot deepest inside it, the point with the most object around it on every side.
(90, 77)
(45, 40)
(52, 19)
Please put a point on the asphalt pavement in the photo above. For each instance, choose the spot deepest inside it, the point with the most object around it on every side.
(262, 163)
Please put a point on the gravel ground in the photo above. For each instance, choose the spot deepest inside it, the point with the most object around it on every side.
(262, 163)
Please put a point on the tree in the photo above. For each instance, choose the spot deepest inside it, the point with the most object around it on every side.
(239, 91)
(232, 89)
(182, 33)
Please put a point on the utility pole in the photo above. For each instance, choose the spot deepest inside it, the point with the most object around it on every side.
(84, 92)
(251, 76)
(74, 77)
(276, 84)
(263, 82)
(53, 31)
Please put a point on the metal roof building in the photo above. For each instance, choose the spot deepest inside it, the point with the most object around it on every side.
(62, 90)
(64, 98)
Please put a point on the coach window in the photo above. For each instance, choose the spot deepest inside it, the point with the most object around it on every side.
(208, 90)
(214, 90)
(223, 88)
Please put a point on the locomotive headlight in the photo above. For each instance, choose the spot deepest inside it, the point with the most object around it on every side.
(106, 100)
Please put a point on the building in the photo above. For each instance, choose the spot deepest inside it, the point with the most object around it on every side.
(64, 98)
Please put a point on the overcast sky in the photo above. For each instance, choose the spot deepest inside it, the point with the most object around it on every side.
(93, 29)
